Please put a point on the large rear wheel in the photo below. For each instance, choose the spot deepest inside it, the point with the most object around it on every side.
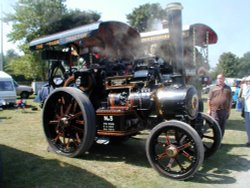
(69, 121)
(175, 150)
(211, 135)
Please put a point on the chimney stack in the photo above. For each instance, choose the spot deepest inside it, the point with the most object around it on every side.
(174, 17)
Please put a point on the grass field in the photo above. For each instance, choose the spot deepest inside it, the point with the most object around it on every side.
(27, 163)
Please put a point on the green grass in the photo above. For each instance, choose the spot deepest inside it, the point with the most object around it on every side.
(27, 163)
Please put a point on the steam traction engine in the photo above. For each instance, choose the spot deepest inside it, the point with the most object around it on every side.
(112, 101)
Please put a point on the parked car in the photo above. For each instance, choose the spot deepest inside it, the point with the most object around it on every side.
(235, 87)
(7, 90)
(207, 88)
(233, 83)
(23, 91)
(2, 103)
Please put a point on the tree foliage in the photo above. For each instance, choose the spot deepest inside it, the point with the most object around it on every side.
(10, 55)
(144, 17)
(244, 65)
(228, 64)
(233, 66)
(72, 18)
(33, 19)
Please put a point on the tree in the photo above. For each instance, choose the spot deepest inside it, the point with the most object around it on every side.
(144, 17)
(72, 18)
(10, 55)
(30, 20)
(228, 64)
(33, 19)
(244, 65)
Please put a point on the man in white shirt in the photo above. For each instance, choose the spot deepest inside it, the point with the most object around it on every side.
(246, 96)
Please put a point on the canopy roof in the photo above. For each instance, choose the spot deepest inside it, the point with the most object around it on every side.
(201, 31)
(203, 34)
(64, 37)
(112, 36)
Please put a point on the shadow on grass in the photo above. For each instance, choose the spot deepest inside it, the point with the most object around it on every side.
(25, 111)
(219, 168)
(236, 125)
(21, 169)
(131, 151)
(4, 118)
(215, 170)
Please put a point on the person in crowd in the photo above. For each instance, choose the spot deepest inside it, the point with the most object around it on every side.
(246, 97)
(235, 97)
(240, 98)
(220, 102)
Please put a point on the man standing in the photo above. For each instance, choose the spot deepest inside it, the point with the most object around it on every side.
(220, 101)
(246, 96)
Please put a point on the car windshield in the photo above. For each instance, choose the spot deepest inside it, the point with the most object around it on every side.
(15, 83)
(6, 86)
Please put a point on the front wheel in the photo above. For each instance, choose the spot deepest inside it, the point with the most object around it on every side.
(69, 121)
(175, 150)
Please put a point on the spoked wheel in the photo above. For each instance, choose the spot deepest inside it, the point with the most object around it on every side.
(211, 135)
(69, 121)
(175, 150)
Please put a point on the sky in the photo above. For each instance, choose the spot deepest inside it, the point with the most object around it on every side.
(228, 18)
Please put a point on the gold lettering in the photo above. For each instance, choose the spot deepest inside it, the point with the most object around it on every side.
(52, 43)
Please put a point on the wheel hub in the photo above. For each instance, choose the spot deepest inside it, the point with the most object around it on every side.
(171, 151)
(64, 122)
